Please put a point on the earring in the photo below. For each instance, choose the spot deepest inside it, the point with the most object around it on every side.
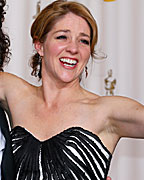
(39, 59)
(86, 71)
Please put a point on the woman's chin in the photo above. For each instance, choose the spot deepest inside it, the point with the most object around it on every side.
(68, 79)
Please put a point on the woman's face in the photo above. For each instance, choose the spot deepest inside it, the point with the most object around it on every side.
(66, 49)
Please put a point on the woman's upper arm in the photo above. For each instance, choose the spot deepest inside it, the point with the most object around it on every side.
(127, 116)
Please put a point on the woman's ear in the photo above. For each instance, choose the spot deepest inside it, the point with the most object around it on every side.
(39, 48)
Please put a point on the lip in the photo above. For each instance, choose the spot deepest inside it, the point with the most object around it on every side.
(68, 67)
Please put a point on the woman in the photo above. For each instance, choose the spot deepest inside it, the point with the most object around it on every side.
(60, 130)
(6, 157)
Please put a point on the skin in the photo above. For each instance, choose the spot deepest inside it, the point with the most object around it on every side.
(109, 178)
(61, 102)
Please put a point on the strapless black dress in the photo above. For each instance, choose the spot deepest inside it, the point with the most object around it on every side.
(74, 154)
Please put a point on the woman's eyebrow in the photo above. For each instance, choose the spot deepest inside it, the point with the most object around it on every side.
(67, 30)
(62, 30)
(84, 34)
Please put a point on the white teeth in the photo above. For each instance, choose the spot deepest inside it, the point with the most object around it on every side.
(70, 61)
(68, 65)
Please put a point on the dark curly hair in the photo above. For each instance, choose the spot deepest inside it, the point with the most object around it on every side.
(4, 39)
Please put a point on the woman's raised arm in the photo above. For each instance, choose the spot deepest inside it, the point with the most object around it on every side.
(126, 116)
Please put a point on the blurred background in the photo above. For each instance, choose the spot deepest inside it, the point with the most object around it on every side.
(121, 38)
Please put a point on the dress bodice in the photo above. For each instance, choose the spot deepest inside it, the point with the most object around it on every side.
(72, 154)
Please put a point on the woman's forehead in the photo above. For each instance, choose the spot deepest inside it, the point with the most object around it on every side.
(70, 22)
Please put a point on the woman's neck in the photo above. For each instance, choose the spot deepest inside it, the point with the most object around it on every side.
(60, 92)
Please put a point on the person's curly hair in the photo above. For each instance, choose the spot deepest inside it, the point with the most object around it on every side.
(4, 39)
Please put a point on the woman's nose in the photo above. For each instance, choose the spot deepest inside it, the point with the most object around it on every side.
(72, 47)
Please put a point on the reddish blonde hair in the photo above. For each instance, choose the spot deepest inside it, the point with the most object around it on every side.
(48, 18)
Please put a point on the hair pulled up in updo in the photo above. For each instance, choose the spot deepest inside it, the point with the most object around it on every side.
(48, 18)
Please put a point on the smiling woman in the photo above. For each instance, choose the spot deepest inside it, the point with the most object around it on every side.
(66, 48)
(60, 130)
(50, 15)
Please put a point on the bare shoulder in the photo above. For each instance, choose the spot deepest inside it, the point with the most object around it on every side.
(98, 100)
(112, 117)
(112, 107)
(10, 82)
(109, 101)
(90, 97)
(119, 101)
(6, 77)
(12, 86)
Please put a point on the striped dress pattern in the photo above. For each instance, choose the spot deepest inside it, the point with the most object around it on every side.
(74, 154)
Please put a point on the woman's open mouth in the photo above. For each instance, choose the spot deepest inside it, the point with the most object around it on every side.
(69, 63)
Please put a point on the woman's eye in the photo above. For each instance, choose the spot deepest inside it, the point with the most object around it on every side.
(84, 41)
(61, 37)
